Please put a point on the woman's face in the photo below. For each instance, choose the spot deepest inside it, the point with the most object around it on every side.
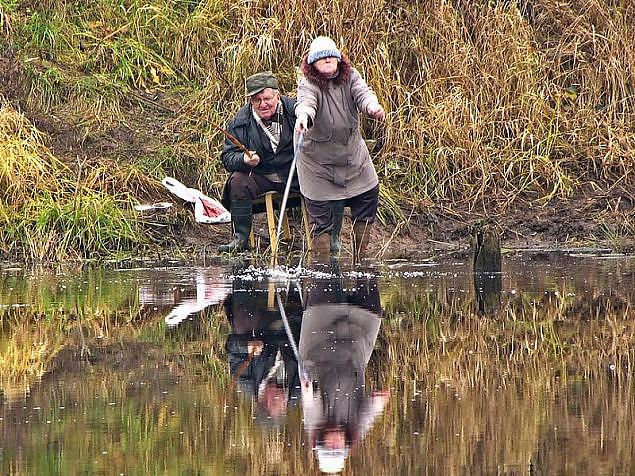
(326, 66)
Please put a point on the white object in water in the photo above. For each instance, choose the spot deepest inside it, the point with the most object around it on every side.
(145, 207)
(207, 294)
(206, 209)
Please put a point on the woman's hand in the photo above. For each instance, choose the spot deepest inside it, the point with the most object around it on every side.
(376, 112)
(301, 123)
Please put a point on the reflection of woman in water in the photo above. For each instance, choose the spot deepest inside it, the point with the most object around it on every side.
(338, 334)
(261, 361)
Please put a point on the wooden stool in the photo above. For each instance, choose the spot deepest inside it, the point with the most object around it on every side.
(272, 200)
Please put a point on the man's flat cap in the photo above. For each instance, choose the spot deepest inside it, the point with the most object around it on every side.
(259, 81)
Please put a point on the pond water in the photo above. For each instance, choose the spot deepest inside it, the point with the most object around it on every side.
(391, 368)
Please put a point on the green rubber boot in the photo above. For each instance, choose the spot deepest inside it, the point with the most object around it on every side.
(241, 220)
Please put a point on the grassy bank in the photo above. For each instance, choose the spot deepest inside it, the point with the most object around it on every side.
(488, 103)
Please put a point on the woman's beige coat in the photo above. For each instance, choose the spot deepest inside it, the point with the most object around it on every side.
(334, 163)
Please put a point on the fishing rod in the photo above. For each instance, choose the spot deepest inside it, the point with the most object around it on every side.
(223, 131)
(304, 376)
(285, 196)
(233, 140)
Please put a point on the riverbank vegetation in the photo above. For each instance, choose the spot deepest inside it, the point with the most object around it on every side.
(493, 107)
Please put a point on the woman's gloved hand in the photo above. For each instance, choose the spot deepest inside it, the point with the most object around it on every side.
(301, 123)
(376, 111)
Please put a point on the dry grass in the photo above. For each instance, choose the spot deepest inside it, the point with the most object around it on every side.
(27, 164)
(484, 99)
(50, 211)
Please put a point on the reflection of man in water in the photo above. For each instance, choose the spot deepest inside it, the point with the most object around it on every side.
(261, 361)
(339, 329)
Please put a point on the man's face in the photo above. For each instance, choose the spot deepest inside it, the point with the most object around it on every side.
(274, 400)
(265, 103)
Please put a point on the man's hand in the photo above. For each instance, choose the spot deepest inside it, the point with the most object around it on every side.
(301, 122)
(254, 347)
(376, 112)
(251, 160)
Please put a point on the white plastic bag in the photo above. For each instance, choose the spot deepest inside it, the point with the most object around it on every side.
(206, 209)
(209, 291)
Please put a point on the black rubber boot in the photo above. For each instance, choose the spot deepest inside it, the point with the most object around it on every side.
(338, 216)
(241, 221)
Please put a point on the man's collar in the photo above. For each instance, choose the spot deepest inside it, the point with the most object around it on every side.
(277, 116)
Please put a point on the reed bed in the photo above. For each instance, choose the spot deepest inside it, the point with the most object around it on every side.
(488, 102)
(50, 210)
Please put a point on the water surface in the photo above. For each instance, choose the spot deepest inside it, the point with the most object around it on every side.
(394, 368)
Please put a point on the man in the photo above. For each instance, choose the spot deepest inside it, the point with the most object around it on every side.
(261, 360)
(264, 126)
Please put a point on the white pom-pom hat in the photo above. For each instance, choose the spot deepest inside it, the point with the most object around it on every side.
(322, 47)
(331, 461)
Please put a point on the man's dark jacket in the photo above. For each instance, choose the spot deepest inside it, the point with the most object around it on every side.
(248, 133)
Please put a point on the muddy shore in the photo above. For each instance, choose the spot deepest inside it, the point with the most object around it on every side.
(583, 222)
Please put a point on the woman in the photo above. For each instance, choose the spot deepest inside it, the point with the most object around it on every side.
(334, 167)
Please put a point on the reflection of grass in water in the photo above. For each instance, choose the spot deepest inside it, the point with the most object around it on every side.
(549, 327)
(540, 362)
(174, 412)
(30, 342)
(25, 353)
(527, 360)
(59, 314)
(70, 291)
(199, 426)
(86, 313)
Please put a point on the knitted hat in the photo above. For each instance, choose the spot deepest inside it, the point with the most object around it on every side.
(259, 81)
(322, 47)
(331, 461)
